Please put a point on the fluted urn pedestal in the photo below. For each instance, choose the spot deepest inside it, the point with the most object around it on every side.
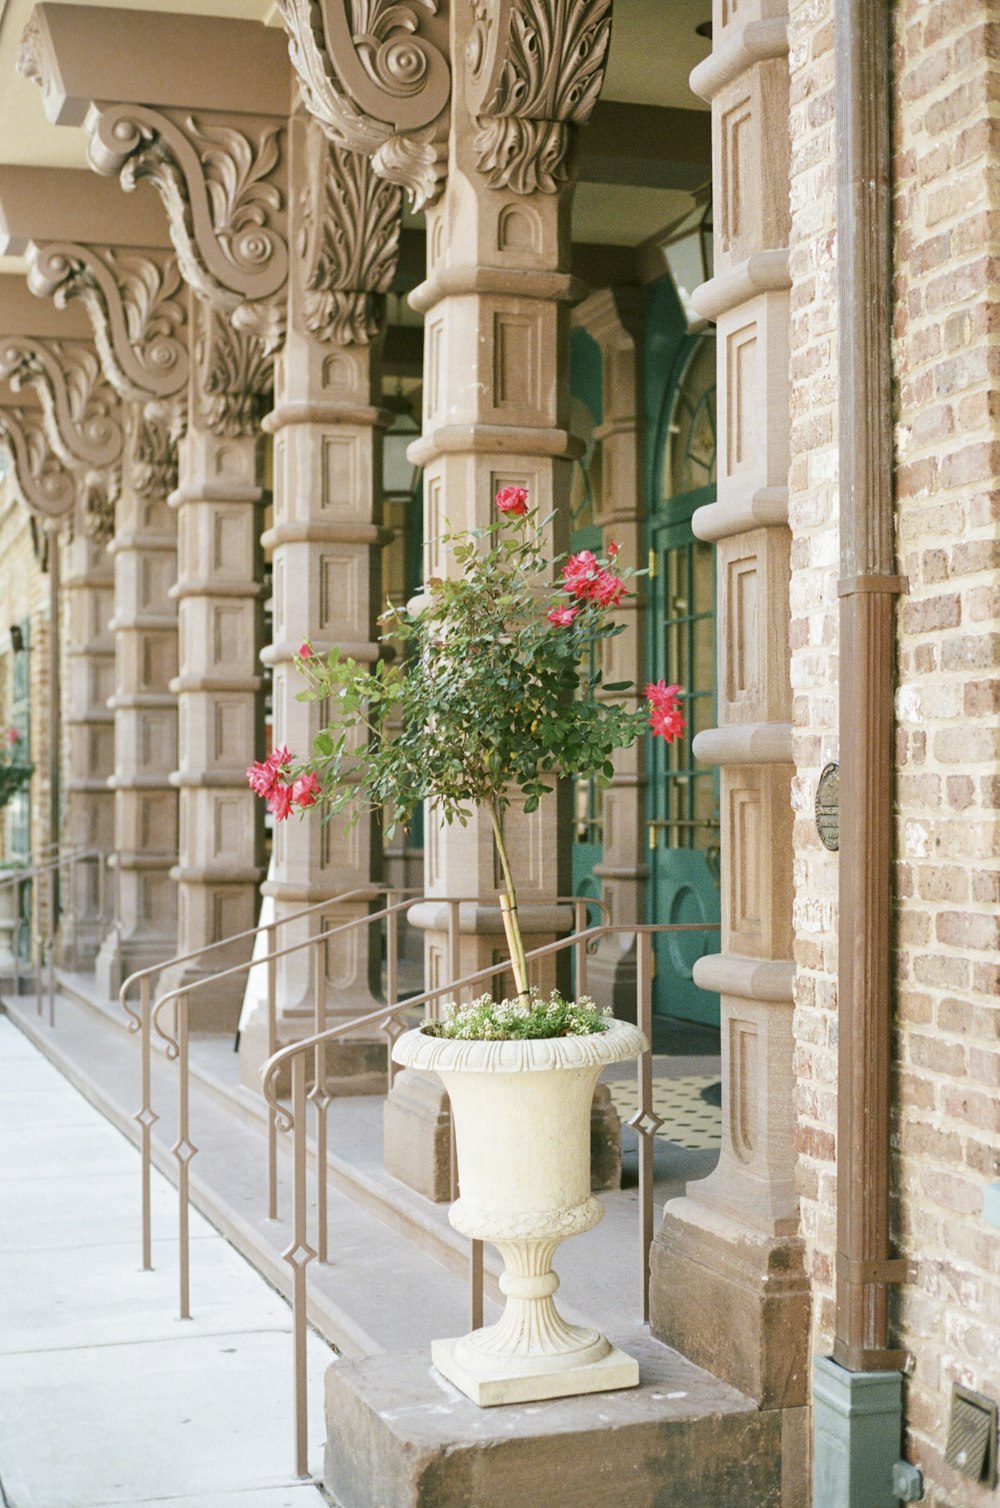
(522, 1127)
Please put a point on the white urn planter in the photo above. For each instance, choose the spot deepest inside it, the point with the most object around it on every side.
(522, 1127)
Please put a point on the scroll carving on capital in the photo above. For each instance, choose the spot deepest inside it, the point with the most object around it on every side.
(99, 493)
(223, 186)
(233, 374)
(45, 485)
(348, 242)
(152, 434)
(375, 74)
(80, 410)
(136, 306)
(535, 70)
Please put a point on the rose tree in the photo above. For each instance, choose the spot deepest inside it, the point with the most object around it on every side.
(492, 695)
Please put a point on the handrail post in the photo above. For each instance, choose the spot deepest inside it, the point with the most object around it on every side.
(454, 950)
(391, 973)
(580, 948)
(50, 929)
(183, 1149)
(147, 1118)
(102, 888)
(18, 924)
(320, 1098)
(646, 1122)
(270, 938)
(298, 1255)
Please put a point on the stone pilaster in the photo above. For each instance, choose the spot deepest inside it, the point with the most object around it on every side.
(326, 542)
(88, 740)
(144, 707)
(731, 1244)
(218, 500)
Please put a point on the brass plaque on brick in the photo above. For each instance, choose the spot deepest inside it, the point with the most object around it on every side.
(828, 807)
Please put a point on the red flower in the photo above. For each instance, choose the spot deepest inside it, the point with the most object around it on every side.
(305, 790)
(263, 777)
(512, 500)
(305, 650)
(607, 590)
(665, 716)
(579, 573)
(280, 802)
(612, 549)
(12, 735)
(562, 617)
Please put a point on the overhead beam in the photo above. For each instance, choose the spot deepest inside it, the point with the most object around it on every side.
(65, 204)
(88, 53)
(24, 315)
(646, 146)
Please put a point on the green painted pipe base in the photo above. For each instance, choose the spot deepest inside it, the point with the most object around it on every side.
(857, 1436)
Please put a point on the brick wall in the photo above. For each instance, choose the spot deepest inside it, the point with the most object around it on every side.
(947, 1125)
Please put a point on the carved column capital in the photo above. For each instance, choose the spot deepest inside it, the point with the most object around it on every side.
(534, 72)
(232, 374)
(375, 74)
(137, 308)
(46, 487)
(223, 184)
(80, 410)
(347, 240)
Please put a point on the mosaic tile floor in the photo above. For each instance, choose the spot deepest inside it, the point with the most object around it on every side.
(689, 1118)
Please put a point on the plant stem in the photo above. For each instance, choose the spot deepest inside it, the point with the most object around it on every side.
(508, 911)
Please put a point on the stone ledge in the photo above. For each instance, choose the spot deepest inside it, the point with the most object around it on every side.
(400, 1435)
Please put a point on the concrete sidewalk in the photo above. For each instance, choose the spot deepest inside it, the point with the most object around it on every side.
(106, 1397)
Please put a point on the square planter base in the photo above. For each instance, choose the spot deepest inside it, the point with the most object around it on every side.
(614, 1371)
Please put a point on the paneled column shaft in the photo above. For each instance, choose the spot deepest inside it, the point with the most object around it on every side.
(218, 592)
(326, 543)
(731, 1243)
(88, 739)
(145, 709)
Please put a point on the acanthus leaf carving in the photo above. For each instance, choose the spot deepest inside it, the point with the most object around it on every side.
(223, 189)
(80, 410)
(153, 432)
(348, 242)
(45, 485)
(99, 493)
(234, 374)
(535, 69)
(375, 74)
(136, 308)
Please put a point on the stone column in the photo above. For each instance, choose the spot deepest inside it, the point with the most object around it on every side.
(88, 739)
(135, 302)
(144, 707)
(731, 1245)
(326, 543)
(218, 591)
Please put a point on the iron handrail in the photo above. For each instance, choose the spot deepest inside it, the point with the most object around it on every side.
(49, 869)
(291, 1119)
(150, 1012)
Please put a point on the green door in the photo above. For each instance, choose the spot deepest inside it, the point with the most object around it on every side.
(683, 796)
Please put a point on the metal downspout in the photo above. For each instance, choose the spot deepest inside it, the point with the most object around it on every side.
(857, 1394)
(868, 589)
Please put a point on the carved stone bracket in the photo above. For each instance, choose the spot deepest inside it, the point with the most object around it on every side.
(375, 74)
(137, 308)
(535, 70)
(46, 486)
(224, 189)
(80, 410)
(233, 374)
(348, 241)
(153, 431)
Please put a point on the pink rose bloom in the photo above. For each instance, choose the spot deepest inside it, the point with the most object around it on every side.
(305, 650)
(665, 717)
(12, 735)
(280, 802)
(612, 549)
(261, 779)
(562, 617)
(607, 590)
(305, 790)
(579, 573)
(512, 500)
